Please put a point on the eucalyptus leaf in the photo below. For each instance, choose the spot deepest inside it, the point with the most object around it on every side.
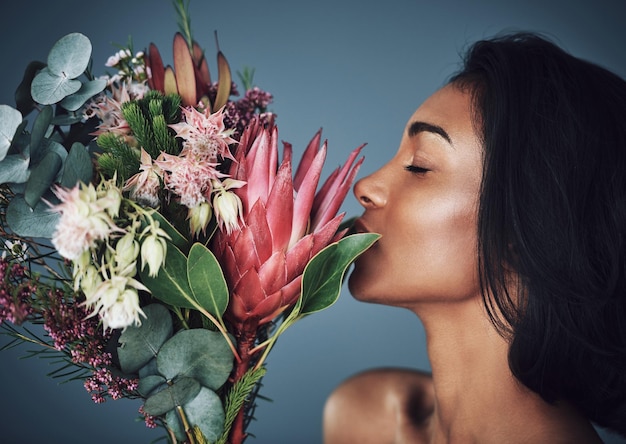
(86, 92)
(149, 369)
(323, 275)
(206, 280)
(14, 169)
(205, 411)
(70, 55)
(40, 128)
(178, 393)
(67, 119)
(42, 177)
(139, 344)
(23, 99)
(77, 166)
(31, 222)
(171, 285)
(149, 384)
(49, 88)
(198, 353)
(10, 120)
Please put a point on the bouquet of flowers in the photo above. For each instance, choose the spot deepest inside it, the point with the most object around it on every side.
(150, 225)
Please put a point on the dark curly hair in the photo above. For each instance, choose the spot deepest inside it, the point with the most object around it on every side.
(553, 211)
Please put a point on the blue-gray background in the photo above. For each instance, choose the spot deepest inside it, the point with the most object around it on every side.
(358, 69)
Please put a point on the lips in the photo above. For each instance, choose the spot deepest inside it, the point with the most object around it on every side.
(359, 226)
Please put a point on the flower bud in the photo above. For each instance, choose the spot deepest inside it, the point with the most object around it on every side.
(126, 251)
(153, 251)
(199, 217)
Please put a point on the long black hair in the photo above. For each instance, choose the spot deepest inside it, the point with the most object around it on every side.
(552, 218)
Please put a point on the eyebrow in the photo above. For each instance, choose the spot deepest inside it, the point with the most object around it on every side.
(420, 127)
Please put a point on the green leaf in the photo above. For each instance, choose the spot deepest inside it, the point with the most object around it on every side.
(171, 285)
(48, 88)
(176, 237)
(198, 353)
(31, 222)
(149, 384)
(10, 120)
(86, 92)
(14, 169)
(70, 55)
(40, 128)
(149, 369)
(77, 167)
(138, 345)
(178, 393)
(323, 275)
(23, 100)
(204, 411)
(42, 177)
(206, 280)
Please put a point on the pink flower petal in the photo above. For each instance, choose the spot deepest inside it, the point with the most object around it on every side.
(307, 158)
(280, 208)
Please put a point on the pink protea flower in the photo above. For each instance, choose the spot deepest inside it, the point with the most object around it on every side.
(285, 223)
(205, 135)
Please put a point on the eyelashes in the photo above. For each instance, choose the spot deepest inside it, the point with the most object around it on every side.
(416, 169)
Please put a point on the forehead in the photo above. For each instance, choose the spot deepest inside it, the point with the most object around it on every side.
(451, 108)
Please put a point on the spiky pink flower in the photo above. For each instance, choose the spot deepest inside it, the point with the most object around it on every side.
(188, 178)
(286, 221)
(205, 135)
(145, 185)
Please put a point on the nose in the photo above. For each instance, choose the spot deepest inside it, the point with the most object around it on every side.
(370, 191)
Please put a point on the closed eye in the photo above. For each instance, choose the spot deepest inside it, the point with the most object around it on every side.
(416, 169)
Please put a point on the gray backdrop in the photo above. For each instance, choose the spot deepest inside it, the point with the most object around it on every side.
(358, 69)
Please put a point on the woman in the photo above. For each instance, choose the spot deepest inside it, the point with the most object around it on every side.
(503, 222)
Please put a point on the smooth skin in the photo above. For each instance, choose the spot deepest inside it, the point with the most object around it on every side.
(424, 204)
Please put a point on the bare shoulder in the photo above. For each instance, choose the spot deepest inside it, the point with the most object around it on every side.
(380, 406)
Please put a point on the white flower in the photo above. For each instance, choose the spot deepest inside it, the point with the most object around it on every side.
(126, 251)
(153, 251)
(124, 312)
(199, 217)
(116, 300)
(17, 250)
(227, 205)
(83, 221)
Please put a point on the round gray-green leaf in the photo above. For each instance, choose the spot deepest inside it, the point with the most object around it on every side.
(138, 345)
(198, 353)
(179, 393)
(10, 120)
(147, 385)
(31, 222)
(49, 88)
(14, 169)
(205, 411)
(70, 55)
(86, 92)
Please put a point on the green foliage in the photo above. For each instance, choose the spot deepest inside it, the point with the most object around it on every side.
(191, 366)
(138, 345)
(200, 354)
(323, 275)
(182, 284)
(118, 157)
(67, 60)
(237, 396)
(205, 411)
(10, 120)
(149, 118)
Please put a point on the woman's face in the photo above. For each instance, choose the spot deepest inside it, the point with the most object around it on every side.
(424, 204)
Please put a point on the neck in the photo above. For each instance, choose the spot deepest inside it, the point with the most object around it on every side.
(477, 398)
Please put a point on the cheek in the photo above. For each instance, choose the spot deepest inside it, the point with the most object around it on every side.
(430, 254)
